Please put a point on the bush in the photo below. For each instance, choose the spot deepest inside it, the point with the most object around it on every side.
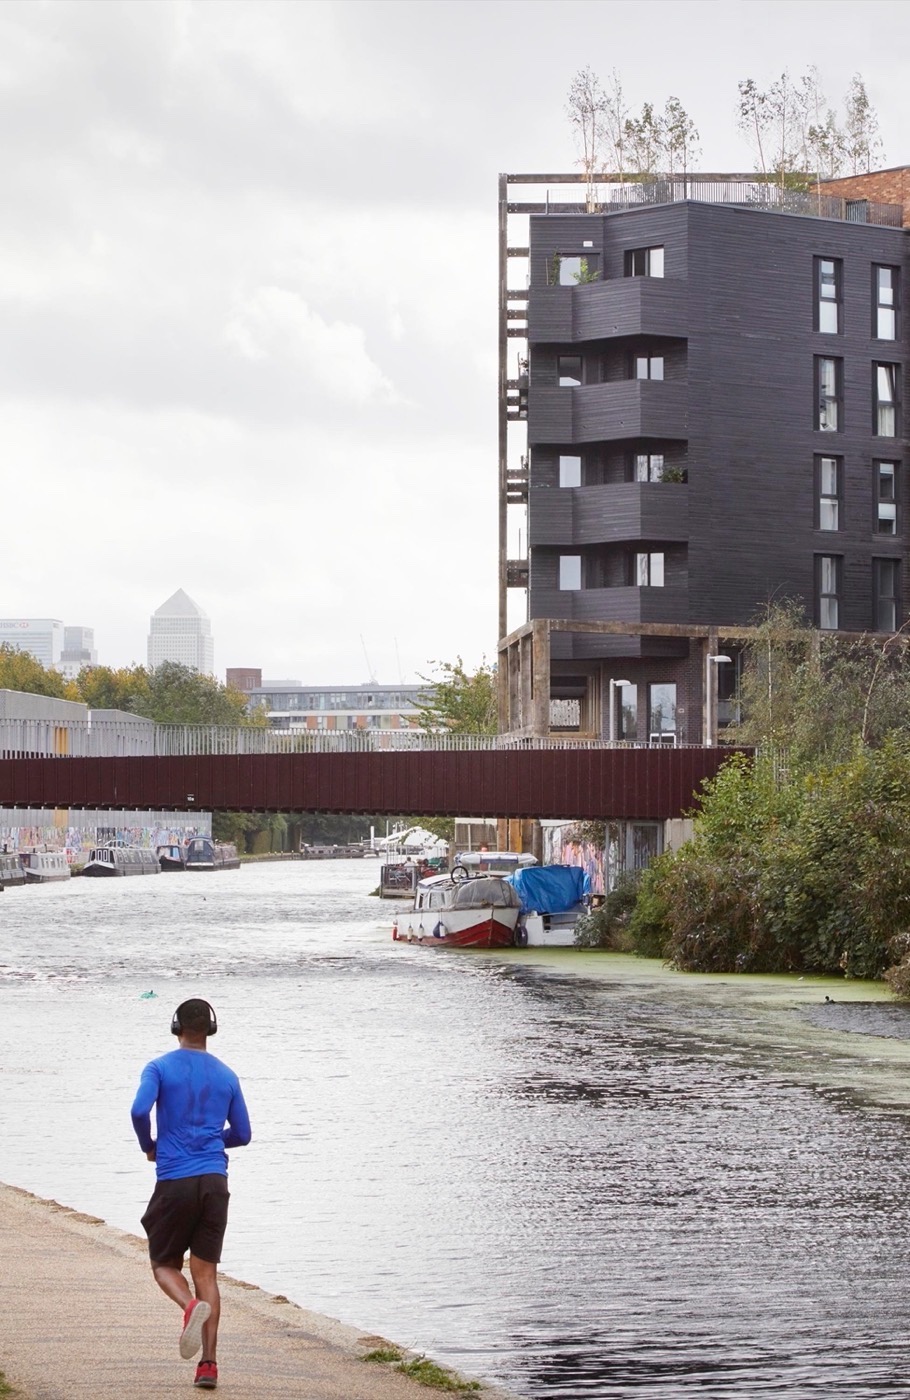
(649, 926)
(607, 926)
(800, 873)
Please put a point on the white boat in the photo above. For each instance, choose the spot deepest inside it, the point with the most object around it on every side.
(472, 907)
(43, 866)
(122, 860)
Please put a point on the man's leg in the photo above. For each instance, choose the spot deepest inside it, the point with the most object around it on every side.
(205, 1281)
(171, 1279)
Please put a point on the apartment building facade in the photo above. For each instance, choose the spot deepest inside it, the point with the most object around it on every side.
(713, 391)
(325, 709)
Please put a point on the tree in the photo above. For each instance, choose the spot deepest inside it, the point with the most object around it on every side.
(815, 697)
(863, 144)
(104, 688)
(19, 670)
(459, 702)
(644, 141)
(586, 110)
(678, 136)
(795, 134)
(179, 695)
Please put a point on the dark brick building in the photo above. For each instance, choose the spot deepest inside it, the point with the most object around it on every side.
(713, 391)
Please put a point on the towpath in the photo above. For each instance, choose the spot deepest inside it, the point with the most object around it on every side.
(81, 1319)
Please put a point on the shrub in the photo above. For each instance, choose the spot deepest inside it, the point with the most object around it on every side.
(606, 926)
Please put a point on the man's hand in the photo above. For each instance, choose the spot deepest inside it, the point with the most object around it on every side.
(151, 1153)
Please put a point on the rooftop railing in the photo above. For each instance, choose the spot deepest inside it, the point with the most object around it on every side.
(738, 193)
(81, 739)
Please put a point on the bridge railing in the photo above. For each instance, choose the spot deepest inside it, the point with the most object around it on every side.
(20, 738)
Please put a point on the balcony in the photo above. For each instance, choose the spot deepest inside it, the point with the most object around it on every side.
(626, 604)
(624, 306)
(627, 408)
(618, 514)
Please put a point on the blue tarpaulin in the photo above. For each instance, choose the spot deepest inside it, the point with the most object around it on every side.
(550, 889)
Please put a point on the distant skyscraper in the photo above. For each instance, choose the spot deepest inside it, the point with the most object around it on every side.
(181, 632)
(78, 651)
(41, 637)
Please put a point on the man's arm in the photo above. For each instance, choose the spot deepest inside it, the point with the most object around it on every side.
(238, 1132)
(141, 1112)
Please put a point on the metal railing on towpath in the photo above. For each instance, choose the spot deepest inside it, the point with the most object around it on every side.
(21, 738)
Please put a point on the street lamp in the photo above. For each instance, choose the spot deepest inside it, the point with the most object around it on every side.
(614, 686)
(711, 664)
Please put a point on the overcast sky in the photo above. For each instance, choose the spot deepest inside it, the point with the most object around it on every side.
(248, 285)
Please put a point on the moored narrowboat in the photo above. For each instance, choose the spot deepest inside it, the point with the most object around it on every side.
(41, 867)
(122, 860)
(202, 853)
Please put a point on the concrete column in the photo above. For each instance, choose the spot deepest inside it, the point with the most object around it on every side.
(540, 677)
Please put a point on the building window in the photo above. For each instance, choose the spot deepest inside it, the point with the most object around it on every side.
(575, 271)
(886, 498)
(829, 295)
(828, 589)
(885, 582)
(885, 303)
(884, 400)
(569, 470)
(648, 570)
(829, 477)
(647, 367)
(661, 711)
(568, 370)
(648, 466)
(645, 262)
(628, 712)
(569, 572)
(829, 378)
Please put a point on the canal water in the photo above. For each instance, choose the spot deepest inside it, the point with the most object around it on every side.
(575, 1186)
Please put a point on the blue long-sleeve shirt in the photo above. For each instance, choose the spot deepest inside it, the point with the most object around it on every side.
(194, 1095)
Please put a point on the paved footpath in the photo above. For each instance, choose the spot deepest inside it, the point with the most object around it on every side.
(82, 1319)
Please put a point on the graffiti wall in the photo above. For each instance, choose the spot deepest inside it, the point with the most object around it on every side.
(560, 848)
(77, 832)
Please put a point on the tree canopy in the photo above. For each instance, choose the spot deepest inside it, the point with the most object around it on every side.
(801, 854)
(20, 671)
(459, 701)
(168, 694)
(797, 136)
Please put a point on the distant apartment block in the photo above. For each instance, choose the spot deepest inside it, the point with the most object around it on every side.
(320, 709)
(181, 632)
(703, 407)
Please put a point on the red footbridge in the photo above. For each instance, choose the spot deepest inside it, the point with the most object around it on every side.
(177, 768)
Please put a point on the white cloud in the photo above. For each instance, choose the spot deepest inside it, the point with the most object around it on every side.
(275, 324)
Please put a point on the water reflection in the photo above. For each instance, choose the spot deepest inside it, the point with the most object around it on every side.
(581, 1189)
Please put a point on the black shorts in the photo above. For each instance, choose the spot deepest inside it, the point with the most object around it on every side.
(187, 1214)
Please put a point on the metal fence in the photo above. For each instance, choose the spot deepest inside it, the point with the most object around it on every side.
(743, 194)
(85, 739)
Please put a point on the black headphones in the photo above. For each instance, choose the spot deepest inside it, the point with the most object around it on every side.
(177, 1028)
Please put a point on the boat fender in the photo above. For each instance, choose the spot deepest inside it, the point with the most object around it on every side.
(520, 937)
(395, 932)
(438, 930)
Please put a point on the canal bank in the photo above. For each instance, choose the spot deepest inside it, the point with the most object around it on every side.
(83, 1320)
